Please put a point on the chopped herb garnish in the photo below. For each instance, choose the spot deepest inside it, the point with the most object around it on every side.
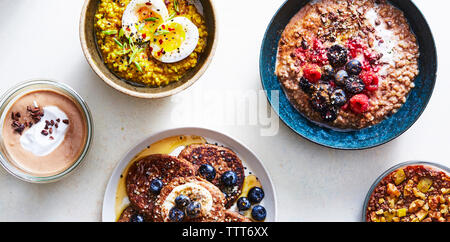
(131, 43)
(141, 26)
(151, 19)
(171, 17)
(176, 6)
(121, 32)
(110, 32)
(118, 43)
(135, 52)
(161, 32)
(138, 66)
(123, 52)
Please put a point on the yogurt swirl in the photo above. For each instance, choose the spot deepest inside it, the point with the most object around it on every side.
(40, 145)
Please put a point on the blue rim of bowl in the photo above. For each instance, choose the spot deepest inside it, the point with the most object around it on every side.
(433, 165)
(261, 62)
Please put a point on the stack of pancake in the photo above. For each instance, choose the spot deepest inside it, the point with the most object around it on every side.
(180, 175)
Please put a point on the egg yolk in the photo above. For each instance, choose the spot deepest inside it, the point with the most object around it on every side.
(151, 19)
(174, 37)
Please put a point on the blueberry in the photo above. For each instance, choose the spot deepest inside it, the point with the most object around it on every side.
(243, 204)
(156, 186)
(338, 98)
(306, 86)
(328, 73)
(207, 171)
(329, 114)
(259, 213)
(354, 67)
(182, 201)
(337, 55)
(256, 195)
(176, 215)
(229, 178)
(193, 209)
(136, 218)
(354, 85)
(340, 77)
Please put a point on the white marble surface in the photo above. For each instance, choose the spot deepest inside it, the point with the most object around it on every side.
(39, 39)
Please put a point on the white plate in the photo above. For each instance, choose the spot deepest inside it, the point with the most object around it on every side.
(249, 160)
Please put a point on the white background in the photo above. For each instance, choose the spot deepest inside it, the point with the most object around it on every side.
(40, 39)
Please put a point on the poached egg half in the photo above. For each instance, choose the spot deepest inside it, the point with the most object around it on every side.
(142, 17)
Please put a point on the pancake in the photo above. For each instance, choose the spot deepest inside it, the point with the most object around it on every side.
(223, 160)
(231, 216)
(143, 171)
(197, 189)
(128, 213)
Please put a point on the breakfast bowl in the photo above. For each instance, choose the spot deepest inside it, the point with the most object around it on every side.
(416, 183)
(145, 69)
(303, 118)
(176, 144)
(47, 131)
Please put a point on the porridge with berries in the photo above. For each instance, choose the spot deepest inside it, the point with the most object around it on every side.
(348, 64)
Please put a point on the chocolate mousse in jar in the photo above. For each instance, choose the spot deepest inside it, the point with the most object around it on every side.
(46, 131)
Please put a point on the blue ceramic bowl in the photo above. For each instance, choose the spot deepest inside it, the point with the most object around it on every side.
(385, 131)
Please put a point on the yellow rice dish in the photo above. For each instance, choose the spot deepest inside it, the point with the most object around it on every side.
(132, 55)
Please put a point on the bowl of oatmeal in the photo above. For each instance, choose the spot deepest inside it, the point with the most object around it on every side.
(413, 191)
(148, 48)
(349, 74)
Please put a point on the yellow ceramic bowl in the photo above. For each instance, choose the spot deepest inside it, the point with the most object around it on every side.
(94, 58)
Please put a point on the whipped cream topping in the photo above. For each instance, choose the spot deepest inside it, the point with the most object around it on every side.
(40, 145)
(194, 191)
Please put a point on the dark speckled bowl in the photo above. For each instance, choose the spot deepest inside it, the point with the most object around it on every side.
(387, 130)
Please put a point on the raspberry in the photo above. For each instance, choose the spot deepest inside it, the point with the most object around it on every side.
(318, 53)
(359, 103)
(318, 45)
(314, 54)
(370, 80)
(301, 55)
(356, 47)
(366, 66)
(332, 84)
(312, 73)
(345, 106)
